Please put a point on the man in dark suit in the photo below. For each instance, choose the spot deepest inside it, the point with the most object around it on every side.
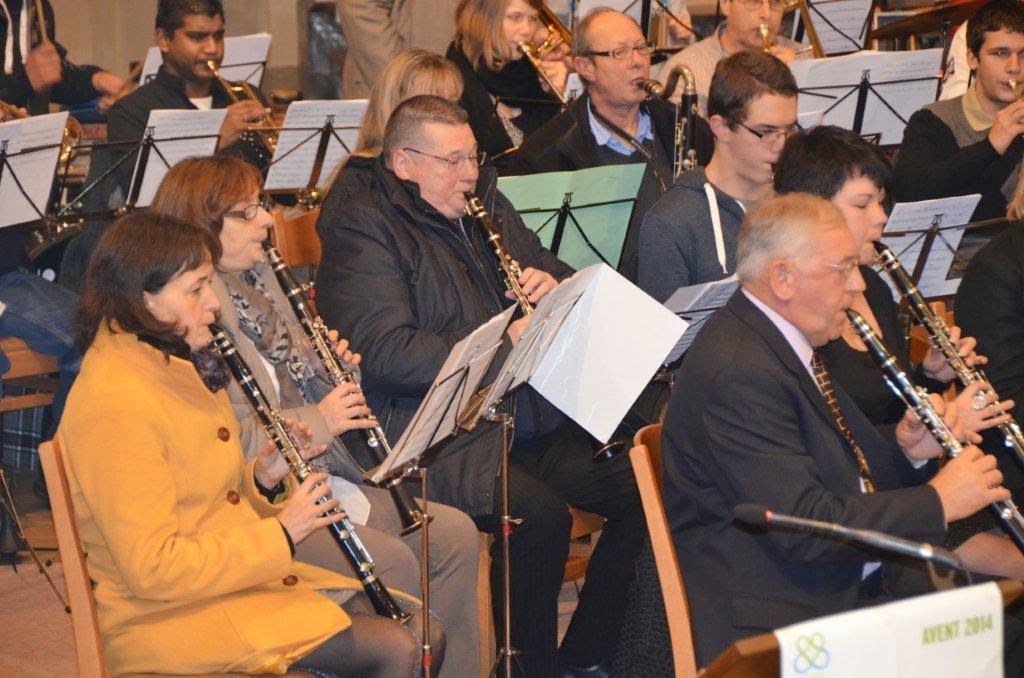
(747, 422)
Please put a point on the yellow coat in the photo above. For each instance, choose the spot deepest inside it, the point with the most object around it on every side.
(192, 572)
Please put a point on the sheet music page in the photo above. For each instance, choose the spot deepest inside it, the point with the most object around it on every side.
(906, 81)
(244, 58)
(35, 170)
(937, 277)
(703, 297)
(202, 126)
(841, 24)
(923, 214)
(298, 142)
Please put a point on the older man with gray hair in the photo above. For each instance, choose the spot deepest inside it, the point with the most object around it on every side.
(755, 419)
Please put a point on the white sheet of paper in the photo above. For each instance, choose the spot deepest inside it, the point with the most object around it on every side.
(923, 214)
(841, 24)
(168, 125)
(298, 142)
(695, 304)
(957, 633)
(905, 80)
(610, 345)
(244, 58)
(438, 413)
(35, 170)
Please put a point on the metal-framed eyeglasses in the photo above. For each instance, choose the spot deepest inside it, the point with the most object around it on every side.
(772, 134)
(754, 5)
(623, 53)
(249, 212)
(453, 164)
(843, 268)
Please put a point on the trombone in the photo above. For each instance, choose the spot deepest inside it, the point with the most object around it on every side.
(264, 137)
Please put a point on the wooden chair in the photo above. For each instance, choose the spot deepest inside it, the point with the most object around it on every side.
(84, 624)
(646, 459)
(583, 524)
(294, 235)
(29, 370)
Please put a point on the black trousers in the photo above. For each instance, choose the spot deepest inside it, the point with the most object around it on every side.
(545, 476)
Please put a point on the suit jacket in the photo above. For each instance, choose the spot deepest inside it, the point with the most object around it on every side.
(746, 423)
(179, 542)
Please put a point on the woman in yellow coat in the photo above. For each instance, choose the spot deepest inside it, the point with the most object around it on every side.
(189, 547)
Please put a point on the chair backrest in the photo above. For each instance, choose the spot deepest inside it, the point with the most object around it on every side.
(88, 646)
(646, 459)
(296, 239)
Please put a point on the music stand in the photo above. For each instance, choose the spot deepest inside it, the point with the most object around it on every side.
(29, 154)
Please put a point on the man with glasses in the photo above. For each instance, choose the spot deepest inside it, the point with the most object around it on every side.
(614, 122)
(749, 25)
(689, 236)
(759, 421)
(408, 274)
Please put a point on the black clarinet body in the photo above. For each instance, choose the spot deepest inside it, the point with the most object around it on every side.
(273, 425)
(938, 334)
(918, 400)
(313, 326)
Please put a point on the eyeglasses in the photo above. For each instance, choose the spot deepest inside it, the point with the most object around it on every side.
(770, 136)
(754, 5)
(453, 164)
(519, 17)
(623, 53)
(250, 211)
(844, 268)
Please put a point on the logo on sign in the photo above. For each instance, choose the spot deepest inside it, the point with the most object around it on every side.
(811, 653)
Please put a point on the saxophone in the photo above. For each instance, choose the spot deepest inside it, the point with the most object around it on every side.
(273, 425)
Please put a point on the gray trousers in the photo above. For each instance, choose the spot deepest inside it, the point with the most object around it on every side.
(453, 570)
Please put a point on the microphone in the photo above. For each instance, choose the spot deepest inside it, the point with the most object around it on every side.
(761, 516)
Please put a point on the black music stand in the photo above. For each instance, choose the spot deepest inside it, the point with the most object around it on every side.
(309, 196)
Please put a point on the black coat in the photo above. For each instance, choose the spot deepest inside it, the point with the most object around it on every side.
(751, 426)
(566, 143)
(404, 284)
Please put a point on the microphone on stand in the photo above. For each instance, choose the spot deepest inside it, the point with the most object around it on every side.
(761, 516)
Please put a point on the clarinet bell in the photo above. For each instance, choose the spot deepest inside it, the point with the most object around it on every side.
(608, 451)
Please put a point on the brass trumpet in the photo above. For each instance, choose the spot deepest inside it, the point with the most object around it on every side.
(263, 138)
(1012, 82)
(766, 40)
(532, 55)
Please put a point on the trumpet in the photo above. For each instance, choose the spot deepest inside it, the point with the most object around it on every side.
(1012, 82)
(766, 40)
(918, 400)
(557, 35)
(938, 333)
(273, 425)
(262, 138)
(508, 266)
(532, 55)
(316, 332)
(685, 156)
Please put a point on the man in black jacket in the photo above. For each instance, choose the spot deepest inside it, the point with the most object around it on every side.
(407, 275)
(612, 58)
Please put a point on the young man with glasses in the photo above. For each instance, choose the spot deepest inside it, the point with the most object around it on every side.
(614, 122)
(740, 32)
(408, 274)
(689, 236)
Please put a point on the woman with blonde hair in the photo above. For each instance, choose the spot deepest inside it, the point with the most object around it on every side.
(504, 96)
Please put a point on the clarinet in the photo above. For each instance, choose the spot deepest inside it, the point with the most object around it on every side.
(316, 332)
(684, 157)
(938, 332)
(508, 266)
(916, 398)
(273, 425)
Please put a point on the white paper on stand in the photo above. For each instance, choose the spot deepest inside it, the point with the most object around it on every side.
(35, 170)
(244, 59)
(456, 382)
(605, 352)
(841, 24)
(906, 81)
(695, 304)
(299, 140)
(177, 135)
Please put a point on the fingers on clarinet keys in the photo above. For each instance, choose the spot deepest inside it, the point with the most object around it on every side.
(968, 483)
(309, 508)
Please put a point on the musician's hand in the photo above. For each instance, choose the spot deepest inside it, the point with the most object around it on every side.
(917, 441)
(557, 72)
(4, 117)
(784, 54)
(342, 409)
(341, 348)
(515, 330)
(1007, 125)
(43, 68)
(968, 483)
(935, 365)
(302, 515)
(109, 86)
(240, 116)
(677, 30)
(535, 283)
(988, 415)
(271, 467)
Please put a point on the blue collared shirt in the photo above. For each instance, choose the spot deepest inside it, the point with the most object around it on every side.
(606, 138)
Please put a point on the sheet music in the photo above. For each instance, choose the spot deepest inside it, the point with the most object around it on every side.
(456, 382)
(298, 142)
(695, 304)
(841, 24)
(35, 170)
(831, 84)
(203, 126)
(244, 59)
(922, 215)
